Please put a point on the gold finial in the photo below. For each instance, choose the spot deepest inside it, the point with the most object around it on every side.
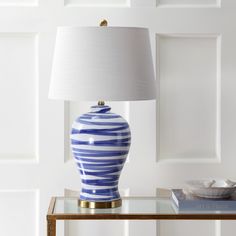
(101, 103)
(103, 23)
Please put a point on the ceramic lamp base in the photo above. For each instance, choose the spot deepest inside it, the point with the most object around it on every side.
(100, 142)
(100, 205)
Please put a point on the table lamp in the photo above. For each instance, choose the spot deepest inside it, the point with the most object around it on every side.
(101, 64)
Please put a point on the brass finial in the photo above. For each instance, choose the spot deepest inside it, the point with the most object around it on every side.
(103, 23)
(101, 103)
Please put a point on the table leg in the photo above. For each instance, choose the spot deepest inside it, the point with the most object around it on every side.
(51, 227)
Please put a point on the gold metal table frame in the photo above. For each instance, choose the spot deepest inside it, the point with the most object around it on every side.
(133, 208)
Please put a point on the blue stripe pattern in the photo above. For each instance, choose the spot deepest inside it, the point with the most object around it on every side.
(100, 143)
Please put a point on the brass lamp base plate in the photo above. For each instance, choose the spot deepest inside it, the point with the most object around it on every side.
(100, 205)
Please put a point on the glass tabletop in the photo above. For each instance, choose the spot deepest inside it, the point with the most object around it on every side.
(134, 208)
(129, 206)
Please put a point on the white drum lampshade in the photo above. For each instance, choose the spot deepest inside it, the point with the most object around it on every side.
(101, 64)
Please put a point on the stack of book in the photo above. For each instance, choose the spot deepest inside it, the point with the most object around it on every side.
(183, 201)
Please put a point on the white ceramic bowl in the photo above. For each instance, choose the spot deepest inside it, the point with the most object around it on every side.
(211, 188)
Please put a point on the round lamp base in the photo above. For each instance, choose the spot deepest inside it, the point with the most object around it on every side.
(100, 205)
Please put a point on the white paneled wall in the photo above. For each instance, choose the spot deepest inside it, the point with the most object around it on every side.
(190, 132)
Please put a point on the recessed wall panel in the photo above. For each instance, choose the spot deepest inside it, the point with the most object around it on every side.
(177, 227)
(18, 214)
(97, 3)
(189, 97)
(18, 92)
(189, 3)
(18, 2)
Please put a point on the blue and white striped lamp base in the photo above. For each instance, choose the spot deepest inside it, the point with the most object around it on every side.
(100, 142)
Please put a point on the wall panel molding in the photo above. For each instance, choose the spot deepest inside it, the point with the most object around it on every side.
(18, 3)
(19, 96)
(189, 3)
(190, 97)
(97, 3)
(22, 208)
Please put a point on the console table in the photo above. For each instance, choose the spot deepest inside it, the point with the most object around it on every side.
(133, 208)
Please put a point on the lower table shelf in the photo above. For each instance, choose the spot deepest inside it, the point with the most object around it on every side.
(133, 208)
